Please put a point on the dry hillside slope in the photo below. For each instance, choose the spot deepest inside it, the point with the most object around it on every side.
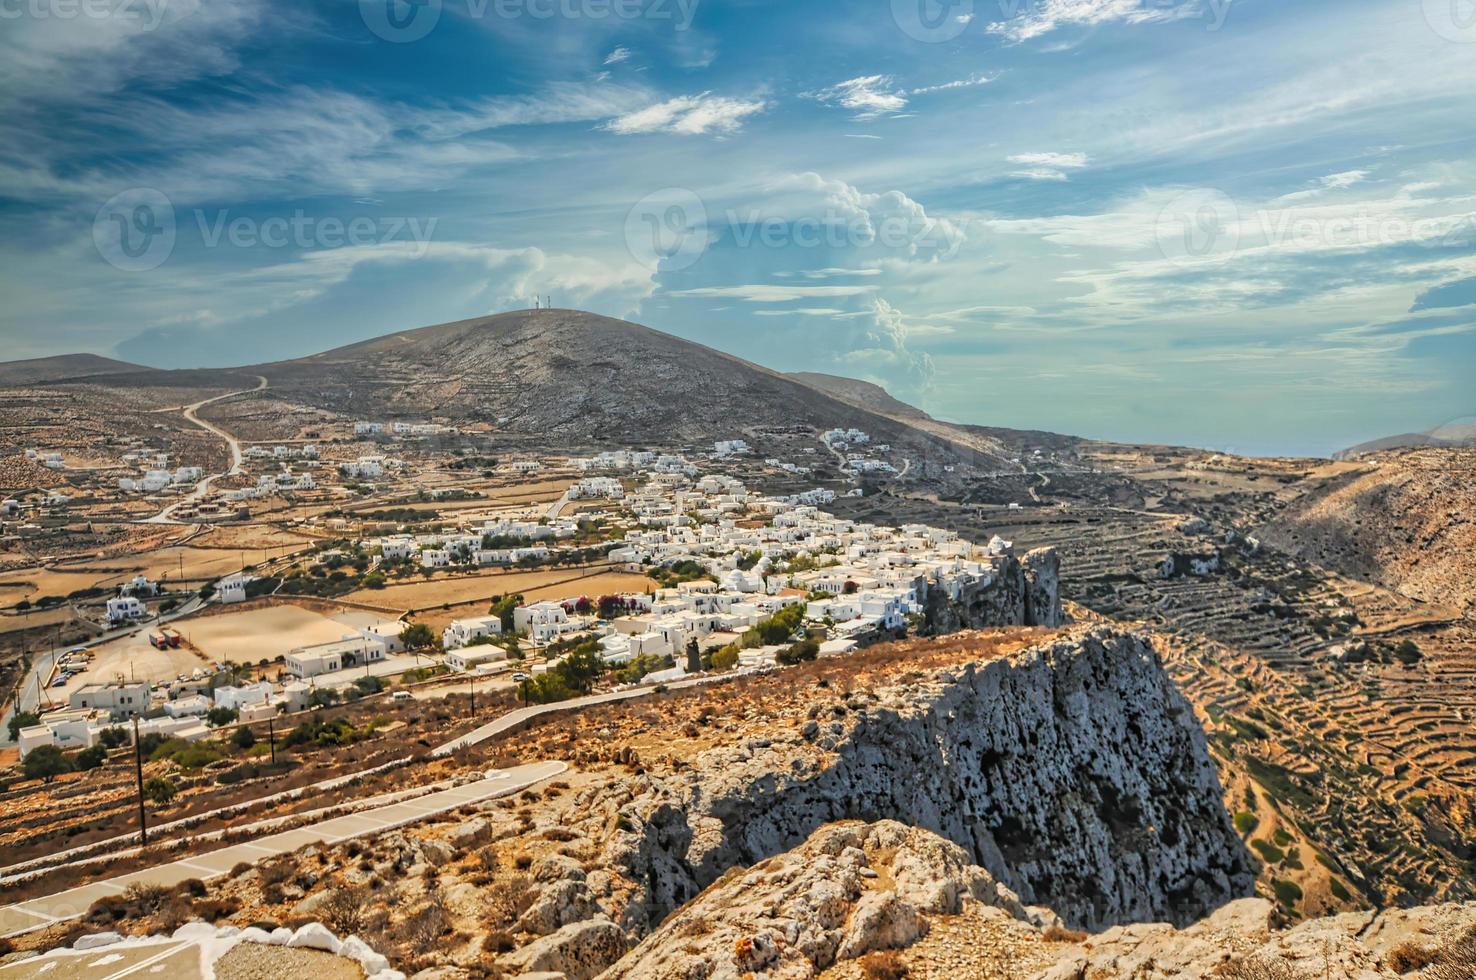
(1407, 522)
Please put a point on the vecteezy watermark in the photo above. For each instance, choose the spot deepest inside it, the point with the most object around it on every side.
(147, 13)
(403, 21)
(1198, 226)
(937, 21)
(667, 229)
(672, 229)
(1454, 20)
(303, 231)
(933, 21)
(137, 231)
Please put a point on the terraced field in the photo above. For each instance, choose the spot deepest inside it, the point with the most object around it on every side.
(1342, 713)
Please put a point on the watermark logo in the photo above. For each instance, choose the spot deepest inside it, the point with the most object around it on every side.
(933, 21)
(400, 21)
(1454, 20)
(403, 21)
(147, 14)
(1198, 226)
(135, 230)
(667, 229)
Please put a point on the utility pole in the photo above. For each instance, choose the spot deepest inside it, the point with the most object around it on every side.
(138, 769)
(272, 738)
(471, 681)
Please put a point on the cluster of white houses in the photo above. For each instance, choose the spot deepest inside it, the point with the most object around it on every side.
(759, 554)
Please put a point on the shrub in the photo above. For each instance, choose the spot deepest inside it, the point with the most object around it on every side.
(1287, 892)
(509, 898)
(158, 790)
(1410, 956)
(883, 965)
(1246, 822)
(45, 762)
(498, 941)
(1059, 934)
(91, 757)
(1257, 967)
(343, 912)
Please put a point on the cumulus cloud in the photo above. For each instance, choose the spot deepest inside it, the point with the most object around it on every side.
(689, 115)
(880, 349)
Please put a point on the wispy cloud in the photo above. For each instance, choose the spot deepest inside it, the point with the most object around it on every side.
(867, 96)
(1047, 166)
(617, 56)
(766, 293)
(1044, 16)
(970, 82)
(689, 115)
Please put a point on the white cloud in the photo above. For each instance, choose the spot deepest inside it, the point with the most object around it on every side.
(1044, 16)
(617, 56)
(970, 82)
(868, 96)
(1047, 166)
(688, 115)
(1345, 179)
(763, 293)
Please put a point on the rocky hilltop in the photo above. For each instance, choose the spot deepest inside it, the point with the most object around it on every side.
(1404, 520)
(578, 378)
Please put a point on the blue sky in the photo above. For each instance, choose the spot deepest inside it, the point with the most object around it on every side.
(1241, 224)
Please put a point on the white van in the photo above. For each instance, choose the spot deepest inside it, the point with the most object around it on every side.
(400, 696)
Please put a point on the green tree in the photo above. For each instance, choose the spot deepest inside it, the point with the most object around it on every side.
(91, 757)
(244, 738)
(219, 716)
(503, 610)
(45, 762)
(22, 719)
(113, 738)
(158, 790)
(417, 636)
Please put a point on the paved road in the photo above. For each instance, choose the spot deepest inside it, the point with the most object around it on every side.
(38, 913)
(172, 958)
(518, 716)
(203, 487)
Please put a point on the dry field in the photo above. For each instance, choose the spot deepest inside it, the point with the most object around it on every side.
(553, 583)
(264, 633)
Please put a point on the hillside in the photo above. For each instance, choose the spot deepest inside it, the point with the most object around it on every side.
(578, 378)
(60, 367)
(1458, 434)
(1407, 521)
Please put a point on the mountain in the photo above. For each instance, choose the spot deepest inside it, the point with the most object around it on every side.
(577, 377)
(1403, 522)
(1460, 433)
(60, 368)
(862, 394)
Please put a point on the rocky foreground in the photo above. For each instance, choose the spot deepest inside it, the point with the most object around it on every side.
(966, 806)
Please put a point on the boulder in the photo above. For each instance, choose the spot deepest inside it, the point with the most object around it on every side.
(315, 935)
(579, 951)
(881, 921)
(99, 939)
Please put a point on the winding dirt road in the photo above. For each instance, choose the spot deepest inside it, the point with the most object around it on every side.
(203, 487)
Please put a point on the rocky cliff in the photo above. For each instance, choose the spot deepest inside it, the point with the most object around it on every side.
(900, 899)
(1019, 592)
(1073, 772)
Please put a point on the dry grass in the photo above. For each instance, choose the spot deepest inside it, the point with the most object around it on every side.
(883, 965)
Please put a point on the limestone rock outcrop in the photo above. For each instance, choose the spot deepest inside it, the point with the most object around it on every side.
(1074, 772)
(850, 889)
(1017, 592)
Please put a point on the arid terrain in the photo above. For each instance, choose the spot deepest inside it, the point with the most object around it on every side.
(1317, 616)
